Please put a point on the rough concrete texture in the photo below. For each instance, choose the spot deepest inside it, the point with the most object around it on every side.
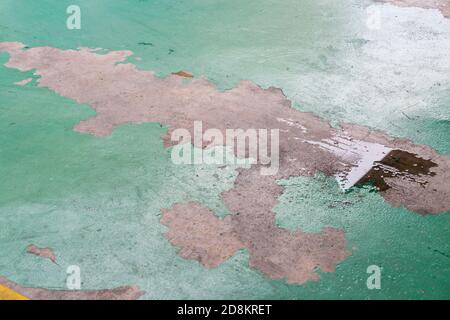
(201, 235)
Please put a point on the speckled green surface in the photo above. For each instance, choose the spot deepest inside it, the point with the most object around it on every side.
(96, 201)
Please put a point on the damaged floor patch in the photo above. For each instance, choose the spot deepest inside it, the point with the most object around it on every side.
(398, 164)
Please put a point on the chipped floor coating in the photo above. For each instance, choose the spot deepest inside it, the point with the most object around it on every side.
(24, 81)
(42, 252)
(305, 136)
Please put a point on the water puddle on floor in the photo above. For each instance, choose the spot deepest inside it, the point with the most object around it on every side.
(397, 163)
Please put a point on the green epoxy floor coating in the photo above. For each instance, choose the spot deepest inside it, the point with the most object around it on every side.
(97, 202)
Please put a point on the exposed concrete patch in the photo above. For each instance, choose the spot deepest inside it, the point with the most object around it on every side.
(23, 82)
(46, 253)
(120, 293)
(442, 5)
(277, 252)
(200, 234)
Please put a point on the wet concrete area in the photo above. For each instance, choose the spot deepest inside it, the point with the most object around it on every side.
(398, 164)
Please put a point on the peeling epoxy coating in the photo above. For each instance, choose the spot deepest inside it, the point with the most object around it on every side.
(126, 268)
